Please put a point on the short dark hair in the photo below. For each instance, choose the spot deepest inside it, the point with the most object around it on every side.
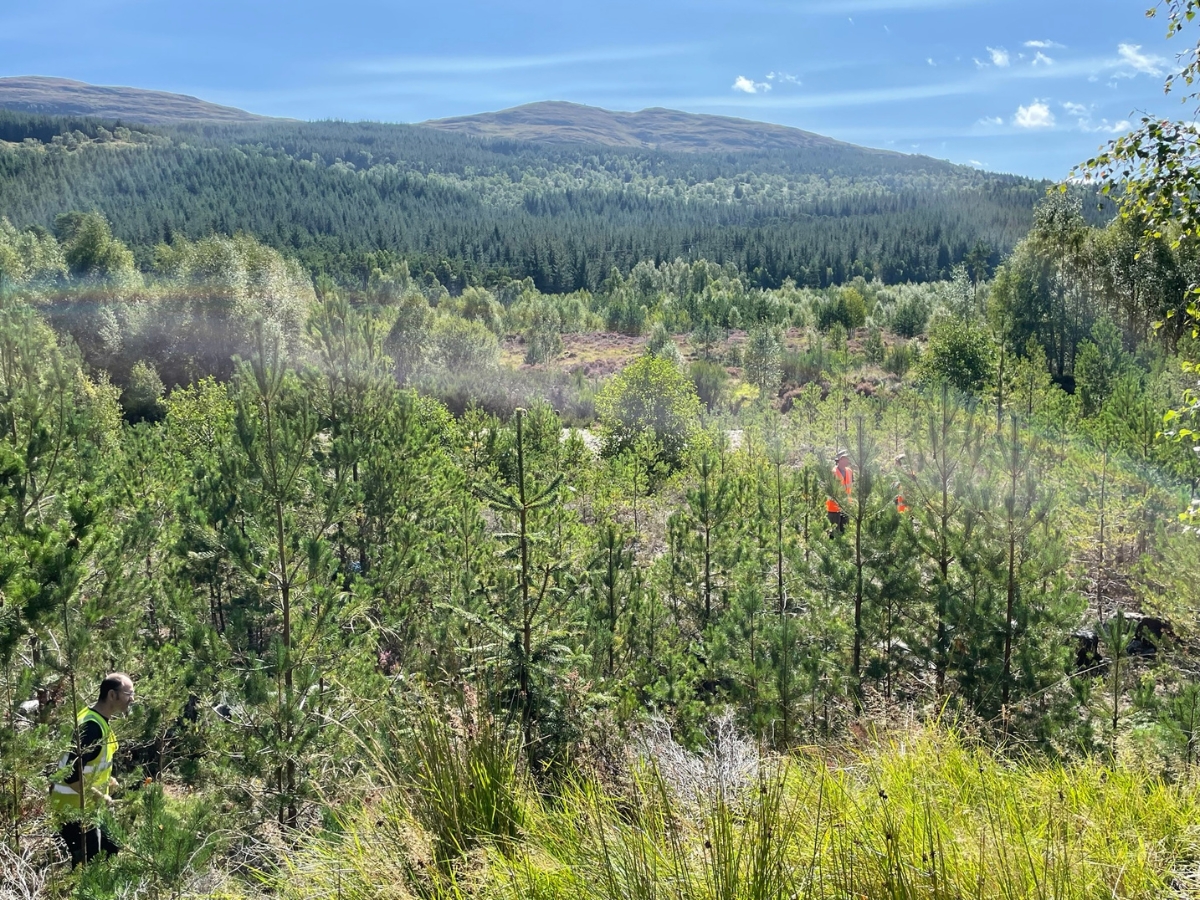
(114, 682)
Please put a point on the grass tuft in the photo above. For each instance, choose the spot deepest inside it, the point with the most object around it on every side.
(922, 815)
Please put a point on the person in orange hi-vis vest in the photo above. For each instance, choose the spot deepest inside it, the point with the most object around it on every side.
(901, 506)
(845, 475)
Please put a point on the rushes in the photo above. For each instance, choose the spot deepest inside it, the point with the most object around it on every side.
(467, 787)
(922, 816)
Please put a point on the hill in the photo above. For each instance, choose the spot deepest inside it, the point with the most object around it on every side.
(63, 97)
(559, 122)
(520, 193)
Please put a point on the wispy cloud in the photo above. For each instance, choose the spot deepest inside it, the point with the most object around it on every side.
(1036, 115)
(1084, 121)
(930, 61)
(746, 86)
(1147, 63)
(999, 56)
(783, 78)
(1041, 59)
(1093, 68)
(1046, 45)
(991, 120)
(1104, 126)
(470, 65)
(873, 96)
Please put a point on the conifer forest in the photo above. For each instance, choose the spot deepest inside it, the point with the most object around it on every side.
(460, 510)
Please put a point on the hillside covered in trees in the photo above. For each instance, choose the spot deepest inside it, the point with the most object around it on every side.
(344, 198)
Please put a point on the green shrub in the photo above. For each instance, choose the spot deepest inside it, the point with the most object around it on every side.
(909, 316)
(542, 344)
(660, 343)
(847, 309)
(763, 368)
(461, 345)
(650, 395)
(709, 379)
(899, 359)
(505, 389)
(802, 366)
(960, 353)
(168, 843)
(854, 308)
(873, 349)
(142, 398)
(707, 336)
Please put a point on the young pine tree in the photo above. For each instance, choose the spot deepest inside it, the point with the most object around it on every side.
(938, 489)
(286, 502)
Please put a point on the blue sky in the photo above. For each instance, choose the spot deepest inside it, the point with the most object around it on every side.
(1015, 86)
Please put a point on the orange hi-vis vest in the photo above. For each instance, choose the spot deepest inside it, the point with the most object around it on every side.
(901, 506)
(846, 477)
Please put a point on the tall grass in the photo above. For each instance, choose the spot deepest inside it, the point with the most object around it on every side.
(923, 815)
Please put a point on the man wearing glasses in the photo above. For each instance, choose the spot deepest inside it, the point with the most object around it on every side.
(85, 779)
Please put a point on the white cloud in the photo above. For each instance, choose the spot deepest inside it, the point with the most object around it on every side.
(1083, 118)
(976, 163)
(930, 61)
(1042, 59)
(991, 120)
(1146, 63)
(1105, 126)
(1036, 115)
(783, 78)
(978, 64)
(746, 86)
(999, 56)
(1045, 45)
(873, 96)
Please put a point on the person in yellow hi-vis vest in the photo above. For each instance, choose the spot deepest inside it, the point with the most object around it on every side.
(84, 780)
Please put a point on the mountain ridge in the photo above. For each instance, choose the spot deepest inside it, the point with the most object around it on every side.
(52, 96)
(544, 122)
(654, 128)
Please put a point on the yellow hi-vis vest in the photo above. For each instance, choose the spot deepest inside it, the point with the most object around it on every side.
(64, 799)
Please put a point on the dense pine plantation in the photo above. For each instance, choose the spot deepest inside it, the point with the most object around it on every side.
(345, 198)
(489, 591)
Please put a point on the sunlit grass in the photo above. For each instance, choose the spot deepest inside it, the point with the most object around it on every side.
(919, 816)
